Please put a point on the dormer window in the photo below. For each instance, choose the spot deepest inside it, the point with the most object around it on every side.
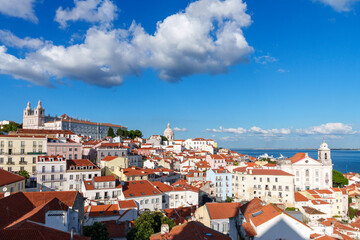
(51, 159)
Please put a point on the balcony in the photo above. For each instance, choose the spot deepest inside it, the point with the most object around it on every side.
(57, 179)
(23, 162)
(49, 171)
(36, 153)
(10, 163)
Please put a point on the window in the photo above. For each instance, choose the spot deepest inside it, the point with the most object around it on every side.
(70, 156)
(307, 172)
(71, 177)
(70, 149)
(22, 159)
(71, 186)
(61, 176)
(75, 149)
(276, 179)
(34, 159)
(52, 168)
(146, 201)
(75, 156)
(142, 202)
(1, 160)
(260, 179)
(9, 169)
(43, 177)
(52, 177)
(268, 179)
(33, 168)
(10, 144)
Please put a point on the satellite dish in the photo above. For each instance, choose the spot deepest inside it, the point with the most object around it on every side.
(4, 189)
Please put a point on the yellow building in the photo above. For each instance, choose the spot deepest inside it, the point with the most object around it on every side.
(19, 152)
(111, 165)
(10, 182)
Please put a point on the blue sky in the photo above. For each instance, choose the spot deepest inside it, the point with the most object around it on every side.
(274, 74)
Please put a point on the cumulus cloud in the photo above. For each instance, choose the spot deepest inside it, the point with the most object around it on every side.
(339, 5)
(265, 59)
(227, 130)
(93, 11)
(19, 8)
(269, 132)
(176, 129)
(9, 39)
(206, 37)
(328, 129)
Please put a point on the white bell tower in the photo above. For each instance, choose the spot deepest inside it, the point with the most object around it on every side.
(324, 155)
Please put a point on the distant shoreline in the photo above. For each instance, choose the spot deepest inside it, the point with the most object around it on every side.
(287, 149)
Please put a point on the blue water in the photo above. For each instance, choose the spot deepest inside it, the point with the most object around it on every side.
(343, 160)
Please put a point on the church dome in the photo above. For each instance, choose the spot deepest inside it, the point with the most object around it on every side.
(169, 133)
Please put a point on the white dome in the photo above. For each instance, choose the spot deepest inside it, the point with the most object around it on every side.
(169, 133)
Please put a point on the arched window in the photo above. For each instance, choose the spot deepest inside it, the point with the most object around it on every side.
(307, 172)
(325, 155)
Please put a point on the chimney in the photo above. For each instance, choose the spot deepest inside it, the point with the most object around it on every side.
(250, 171)
(164, 228)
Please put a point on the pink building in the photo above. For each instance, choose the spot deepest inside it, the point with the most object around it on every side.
(64, 146)
(216, 161)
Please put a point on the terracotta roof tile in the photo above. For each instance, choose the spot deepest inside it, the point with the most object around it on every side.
(223, 210)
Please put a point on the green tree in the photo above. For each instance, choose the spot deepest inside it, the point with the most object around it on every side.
(24, 174)
(228, 199)
(148, 224)
(163, 138)
(111, 132)
(11, 127)
(138, 133)
(338, 179)
(97, 231)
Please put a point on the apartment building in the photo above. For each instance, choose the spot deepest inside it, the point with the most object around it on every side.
(51, 171)
(18, 152)
(269, 185)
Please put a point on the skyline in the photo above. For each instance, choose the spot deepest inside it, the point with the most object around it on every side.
(289, 82)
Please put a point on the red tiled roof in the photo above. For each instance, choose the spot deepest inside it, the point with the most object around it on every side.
(54, 158)
(109, 158)
(80, 163)
(223, 210)
(298, 156)
(139, 188)
(249, 230)
(104, 179)
(33, 231)
(104, 210)
(269, 172)
(115, 230)
(166, 188)
(191, 230)
(300, 198)
(8, 177)
(127, 204)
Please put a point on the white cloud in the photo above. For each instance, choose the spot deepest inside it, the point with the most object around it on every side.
(339, 5)
(9, 39)
(228, 130)
(176, 129)
(19, 8)
(281, 70)
(93, 11)
(206, 37)
(270, 132)
(328, 129)
(265, 59)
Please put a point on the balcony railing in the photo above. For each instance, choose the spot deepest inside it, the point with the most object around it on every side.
(10, 163)
(57, 179)
(49, 171)
(22, 153)
(23, 162)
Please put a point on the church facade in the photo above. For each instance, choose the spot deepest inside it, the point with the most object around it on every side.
(36, 119)
(308, 172)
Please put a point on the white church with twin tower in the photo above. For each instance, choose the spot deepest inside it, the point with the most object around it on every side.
(308, 172)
